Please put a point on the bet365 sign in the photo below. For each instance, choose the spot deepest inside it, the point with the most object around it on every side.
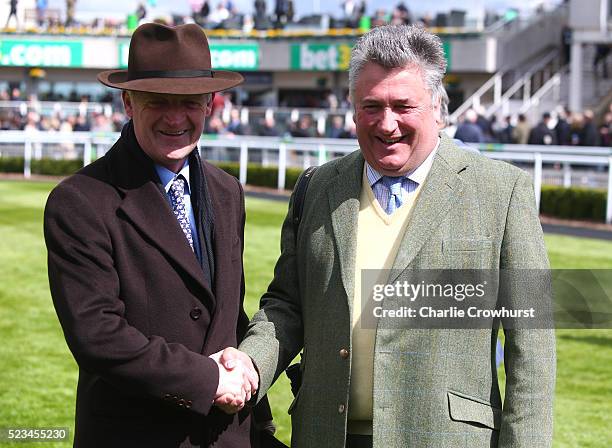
(332, 57)
(320, 56)
(23, 53)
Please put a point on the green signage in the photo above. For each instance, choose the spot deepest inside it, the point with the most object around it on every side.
(23, 53)
(223, 56)
(331, 56)
(124, 51)
(446, 46)
(235, 56)
(320, 56)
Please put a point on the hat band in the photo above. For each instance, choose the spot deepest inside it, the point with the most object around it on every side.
(170, 74)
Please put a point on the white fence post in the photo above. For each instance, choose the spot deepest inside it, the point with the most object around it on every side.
(497, 90)
(537, 179)
(527, 91)
(27, 159)
(282, 165)
(306, 160)
(244, 161)
(322, 155)
(87, 153)
(567, 175)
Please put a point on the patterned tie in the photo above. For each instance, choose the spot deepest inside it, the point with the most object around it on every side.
(177, 189)
(394, 185)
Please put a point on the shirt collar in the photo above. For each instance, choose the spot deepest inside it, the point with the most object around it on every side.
(417, 175)
(167, 177)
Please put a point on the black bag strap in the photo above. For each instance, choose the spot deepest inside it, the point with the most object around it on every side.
(300, 195)
(294, 372)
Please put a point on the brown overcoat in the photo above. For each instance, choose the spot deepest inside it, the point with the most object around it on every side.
(136, 309)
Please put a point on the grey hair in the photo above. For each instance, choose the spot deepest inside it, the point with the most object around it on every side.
(444, 101)
(393, 46)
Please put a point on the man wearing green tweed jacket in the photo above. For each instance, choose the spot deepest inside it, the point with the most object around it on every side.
(409, 199)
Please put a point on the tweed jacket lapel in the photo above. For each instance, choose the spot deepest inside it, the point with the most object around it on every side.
(146, 206)
(343, 195)
(442, 184)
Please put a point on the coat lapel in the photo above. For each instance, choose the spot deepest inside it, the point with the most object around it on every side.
(146, 207)
(151, 221)
(441, 186)
(343, 195)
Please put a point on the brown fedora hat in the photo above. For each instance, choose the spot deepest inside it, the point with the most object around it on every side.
(173, 60)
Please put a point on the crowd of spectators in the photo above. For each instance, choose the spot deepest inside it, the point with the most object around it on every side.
(224, 14)
(564, 128)
(226, 120)
(32, 121)
(27, 115)
(303, 125)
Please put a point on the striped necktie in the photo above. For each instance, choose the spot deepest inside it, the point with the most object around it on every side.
(177, 190)
(394, 185)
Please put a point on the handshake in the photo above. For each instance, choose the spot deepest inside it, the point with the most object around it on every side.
(238, 380)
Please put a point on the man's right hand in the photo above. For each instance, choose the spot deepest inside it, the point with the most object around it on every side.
(232, 356)
(237, 380)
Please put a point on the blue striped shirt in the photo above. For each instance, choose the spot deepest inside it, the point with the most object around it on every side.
(410, 181)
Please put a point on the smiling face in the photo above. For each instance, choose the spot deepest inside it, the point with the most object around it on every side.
(397, 125)
(167, 127)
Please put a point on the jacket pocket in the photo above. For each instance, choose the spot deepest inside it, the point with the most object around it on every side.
(466, 245)
(464, 408)
(297, 380)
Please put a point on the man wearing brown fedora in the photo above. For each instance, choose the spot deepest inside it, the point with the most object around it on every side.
(145, 263)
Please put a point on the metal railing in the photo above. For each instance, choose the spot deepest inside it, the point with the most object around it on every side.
(300, 152)
(525, 83)
(552, 86)
(474, 101)
(249, 115)
(62, 108)
(501, 99)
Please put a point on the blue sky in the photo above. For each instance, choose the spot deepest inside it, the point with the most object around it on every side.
(88, 9)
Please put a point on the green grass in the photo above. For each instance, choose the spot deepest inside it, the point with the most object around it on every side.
(38, 378)
(583, 398)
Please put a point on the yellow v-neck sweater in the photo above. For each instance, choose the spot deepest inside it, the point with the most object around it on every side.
(378, 238)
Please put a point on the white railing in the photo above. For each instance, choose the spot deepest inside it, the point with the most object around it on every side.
(502, 99)
(525, 82)
(249, 115)
(474, 101)
(63, 108)
(553, 85)
(301, 152)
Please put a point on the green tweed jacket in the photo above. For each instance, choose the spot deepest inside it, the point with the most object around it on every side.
(432, 388)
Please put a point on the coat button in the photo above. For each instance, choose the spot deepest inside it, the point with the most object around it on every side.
(344, 353)
(188, 404)
(195, 313)
(181, 402)
(341, 408)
